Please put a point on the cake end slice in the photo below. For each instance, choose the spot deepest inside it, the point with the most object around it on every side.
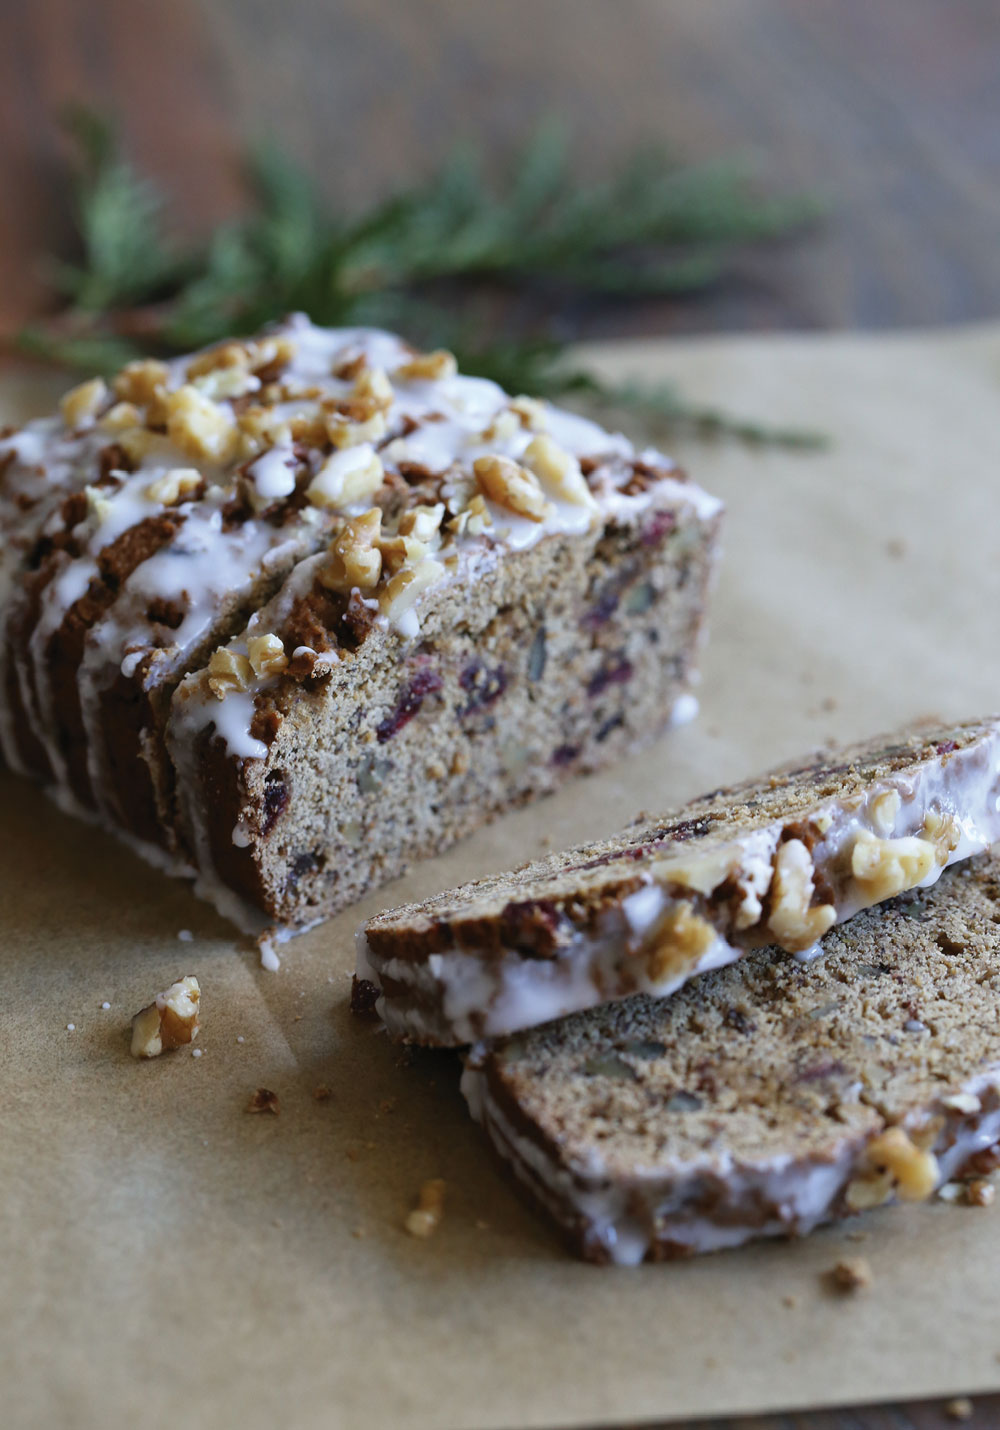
(766, 1098)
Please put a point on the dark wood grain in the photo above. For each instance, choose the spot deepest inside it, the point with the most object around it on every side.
(892, 110)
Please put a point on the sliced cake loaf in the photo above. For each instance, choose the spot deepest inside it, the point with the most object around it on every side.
(765, 1098)
(300, 608)
(778, 860)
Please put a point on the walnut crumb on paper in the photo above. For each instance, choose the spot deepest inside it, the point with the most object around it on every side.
(171, 1021)
(264, 1100)
(980, 1193)
(426, 1216)
(852, 1273)
(322, 1093)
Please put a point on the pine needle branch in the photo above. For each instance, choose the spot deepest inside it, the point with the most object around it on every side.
(655, 227)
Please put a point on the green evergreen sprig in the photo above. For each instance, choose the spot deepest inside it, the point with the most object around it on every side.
(419, 261)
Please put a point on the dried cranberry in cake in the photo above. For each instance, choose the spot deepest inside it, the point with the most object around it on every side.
(425, 682)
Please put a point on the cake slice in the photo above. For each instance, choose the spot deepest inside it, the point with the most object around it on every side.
(300, 608)
(777, 860)
(768, 1097)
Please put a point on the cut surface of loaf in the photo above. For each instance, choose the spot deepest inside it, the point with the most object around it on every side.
(774, 861)
(767, 1097)
(300, 608)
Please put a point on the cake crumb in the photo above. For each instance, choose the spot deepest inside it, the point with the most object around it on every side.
(895, 547)
(789, 1301)
(322, 1093)
(71, 1027)
(426, 1216)
(852, 1273)
(959, 1409)
(105, 1005)
(264, 1100)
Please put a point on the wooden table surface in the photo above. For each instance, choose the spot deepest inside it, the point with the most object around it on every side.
(892, 110)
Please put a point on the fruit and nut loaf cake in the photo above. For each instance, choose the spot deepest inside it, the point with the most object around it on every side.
(302, 607)
(777, 860)
(767, 1097)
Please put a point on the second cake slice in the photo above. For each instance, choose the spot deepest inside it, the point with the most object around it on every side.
(774, 861)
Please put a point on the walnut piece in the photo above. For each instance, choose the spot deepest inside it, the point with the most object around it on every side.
(266, 655)
(198, 426)
(980, 1193)
(511, 486)
(559, 472)
(531, 412)
(403, 590)
(422, 522)
(794, 922)
(142, 382)
(177, 485)
(81, 403)
(346, 476)
(343, 431)
(912, 1170)
(884, 867)
(121, 418)
(228, 671)
(429, 367)
(373, 388)
(677, 942)
(354, 559)
(170, 1021)
(472, 520)
(426, 1216)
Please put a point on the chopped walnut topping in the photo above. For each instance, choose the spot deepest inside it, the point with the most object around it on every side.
(884, 867)
(511, 486)
(404, 589)
(559, 472)
(347, 476)
(309, 429)
(198, 426)
(962, 1102)
(170, 1021)
(264, 1100)
(793, 922)
(252, 356)
(422, 522)
(472, 520)
(429, 366)
(373, 388)
(345, 431)
(142, 382)
(354, 558)
(266, 655)
(530, 412)
(943, 831)
(121, 417)
(228, 672)
(504, 427)
(260, 428)
(98, 506)
(226, 382)
(853, 1273)
(426, 1216)
(81, 403)
(678, 941)
(177, 485)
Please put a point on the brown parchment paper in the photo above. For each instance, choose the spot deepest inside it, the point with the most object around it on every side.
(166, 1258)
